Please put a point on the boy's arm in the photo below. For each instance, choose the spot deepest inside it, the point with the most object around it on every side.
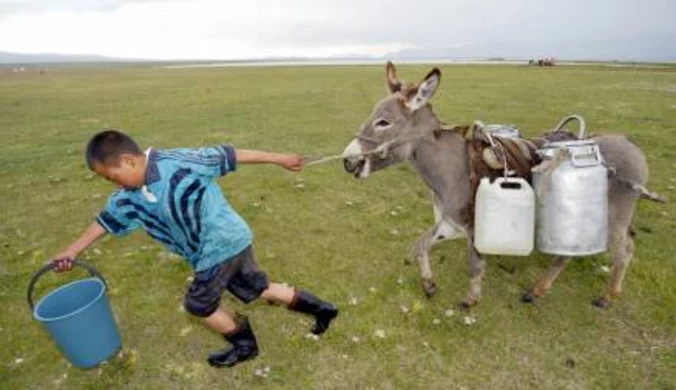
(64, 260)
(291, 162)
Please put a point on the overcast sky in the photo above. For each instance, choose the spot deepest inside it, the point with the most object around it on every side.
(222, 29)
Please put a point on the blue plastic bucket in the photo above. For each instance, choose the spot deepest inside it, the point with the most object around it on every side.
(78, 318)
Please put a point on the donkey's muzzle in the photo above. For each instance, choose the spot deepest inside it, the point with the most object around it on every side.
(353, 165)
(353, 159)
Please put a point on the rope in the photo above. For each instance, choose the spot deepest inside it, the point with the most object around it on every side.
(382, 149)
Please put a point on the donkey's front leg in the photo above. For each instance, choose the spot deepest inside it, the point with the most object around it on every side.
(476, 271)
(421, 251)
(545, 282)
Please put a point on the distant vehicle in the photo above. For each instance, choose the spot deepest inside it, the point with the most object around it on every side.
(542, 62)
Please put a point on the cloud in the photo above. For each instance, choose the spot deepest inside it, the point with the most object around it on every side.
(219, 29)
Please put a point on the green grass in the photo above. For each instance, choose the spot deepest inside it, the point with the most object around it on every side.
(333, 236)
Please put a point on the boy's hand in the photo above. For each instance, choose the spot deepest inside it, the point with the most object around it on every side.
(63, 262)
(292, 162)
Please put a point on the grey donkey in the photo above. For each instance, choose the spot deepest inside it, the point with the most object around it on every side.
(403, 126)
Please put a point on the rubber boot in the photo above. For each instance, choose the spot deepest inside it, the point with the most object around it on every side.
(323, 312)
(244, 346)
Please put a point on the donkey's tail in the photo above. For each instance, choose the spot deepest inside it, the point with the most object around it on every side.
(654, 196)
(639, 189)
(644, 193)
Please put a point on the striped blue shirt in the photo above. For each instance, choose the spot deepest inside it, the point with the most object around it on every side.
(182, 206)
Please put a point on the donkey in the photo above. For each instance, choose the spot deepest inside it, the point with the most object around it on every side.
(403, 126)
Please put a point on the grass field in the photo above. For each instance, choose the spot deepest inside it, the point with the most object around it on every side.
(325, 231)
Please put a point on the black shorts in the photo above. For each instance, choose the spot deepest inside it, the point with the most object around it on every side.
(240, 275)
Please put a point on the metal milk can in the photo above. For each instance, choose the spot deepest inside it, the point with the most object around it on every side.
(571, 188)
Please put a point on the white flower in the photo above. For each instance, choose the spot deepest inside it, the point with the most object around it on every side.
(372, 289)
(394, 213)
(190, 279)
(185, 331)
(300, 185)
(379, 333)
(349, 203)
(312, 336)
(354, 301)
(394, 232)
(449, 313)
(436, 321)
(469, 320)
(400, 280)
(404, 309)
(355, 339)
(18, 360)
(605, 268)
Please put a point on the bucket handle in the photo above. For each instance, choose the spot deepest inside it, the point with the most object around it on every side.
(51, 266)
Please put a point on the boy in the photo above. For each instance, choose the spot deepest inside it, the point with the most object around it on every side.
(172, 194)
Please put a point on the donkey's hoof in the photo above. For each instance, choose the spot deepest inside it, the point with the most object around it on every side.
(430, 288)
(468, 304)
(528, 298)
(601, 303)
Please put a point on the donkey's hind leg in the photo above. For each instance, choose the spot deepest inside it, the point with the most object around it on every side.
(621, 244)
(546, 280)
(621, 253)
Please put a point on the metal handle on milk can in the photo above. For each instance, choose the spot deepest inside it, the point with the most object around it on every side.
(51, 266)
(579, 119)
(578, 163)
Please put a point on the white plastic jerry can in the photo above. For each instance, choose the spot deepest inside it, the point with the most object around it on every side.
(504, 217)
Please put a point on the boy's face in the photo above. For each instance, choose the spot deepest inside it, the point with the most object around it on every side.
(128, 173)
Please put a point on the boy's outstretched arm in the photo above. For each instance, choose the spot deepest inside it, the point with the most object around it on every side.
(292, 162)
(64, 260)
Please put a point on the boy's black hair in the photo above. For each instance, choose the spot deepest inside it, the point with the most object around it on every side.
(106, 147)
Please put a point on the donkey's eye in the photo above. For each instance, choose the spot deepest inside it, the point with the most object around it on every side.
(381, 124)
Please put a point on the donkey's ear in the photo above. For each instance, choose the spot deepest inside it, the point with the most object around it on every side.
(426, 90)
(393, 83)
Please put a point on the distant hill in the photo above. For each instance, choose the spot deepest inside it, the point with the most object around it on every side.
(21, 58)
(640, 48)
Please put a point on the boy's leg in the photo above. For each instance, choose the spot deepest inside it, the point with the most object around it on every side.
(242, 338)
(304, 302)
(222, 321)
(279, 293)
(203, 300)
(250, 283)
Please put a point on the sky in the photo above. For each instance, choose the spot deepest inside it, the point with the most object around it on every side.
(251, 29)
